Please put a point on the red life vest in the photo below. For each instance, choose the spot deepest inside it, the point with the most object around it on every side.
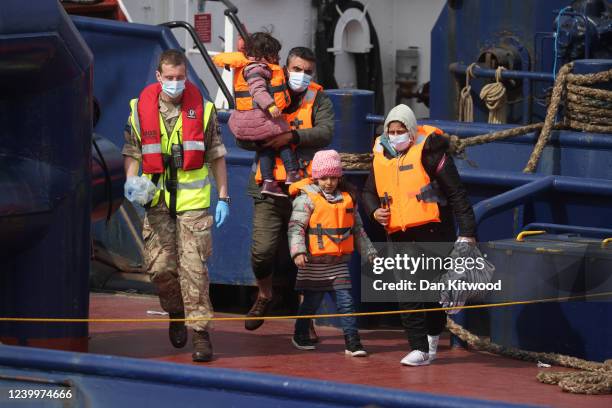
(192, 111)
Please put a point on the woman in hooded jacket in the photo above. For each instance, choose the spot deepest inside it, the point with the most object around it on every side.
(414, 191)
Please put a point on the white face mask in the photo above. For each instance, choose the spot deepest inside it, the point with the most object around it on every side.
(400, 142)
(173, 88)
(299, 81)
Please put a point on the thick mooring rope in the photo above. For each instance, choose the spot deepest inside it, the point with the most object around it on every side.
(587, 108)
(595, 378)
(549, 121)
(494, 96)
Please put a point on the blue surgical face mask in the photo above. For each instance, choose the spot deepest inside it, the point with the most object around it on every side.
(400, 142)
(299, 81)
(173, 88)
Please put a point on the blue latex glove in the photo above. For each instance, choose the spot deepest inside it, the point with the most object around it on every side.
(221, 213)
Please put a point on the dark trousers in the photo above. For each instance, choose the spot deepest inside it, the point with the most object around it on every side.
(267, 159)
(312, 300)
(269, 239)
(418, 325)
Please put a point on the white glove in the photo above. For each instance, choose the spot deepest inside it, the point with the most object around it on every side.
(139, 190)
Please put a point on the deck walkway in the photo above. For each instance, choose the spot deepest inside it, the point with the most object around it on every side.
(456, 372)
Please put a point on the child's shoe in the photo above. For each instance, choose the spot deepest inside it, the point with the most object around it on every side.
(293, 176)
(354, 347)
(302, 342)
(272, 188)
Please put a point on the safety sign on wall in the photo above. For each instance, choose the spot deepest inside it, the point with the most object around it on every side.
(203, 26)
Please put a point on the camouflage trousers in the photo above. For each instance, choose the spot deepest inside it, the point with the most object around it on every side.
(175, 257)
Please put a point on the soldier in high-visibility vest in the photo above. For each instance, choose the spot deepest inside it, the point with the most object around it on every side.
(311, 119)
(172, 130)
(415, 193)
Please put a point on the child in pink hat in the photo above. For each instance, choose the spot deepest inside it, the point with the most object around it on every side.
(324, 230)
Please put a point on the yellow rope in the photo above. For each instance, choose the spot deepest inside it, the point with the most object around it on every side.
(319, 316)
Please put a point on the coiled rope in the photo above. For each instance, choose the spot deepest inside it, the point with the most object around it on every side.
(494, 96)
(466, 103)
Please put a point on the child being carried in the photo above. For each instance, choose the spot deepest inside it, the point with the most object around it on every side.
(261, 93)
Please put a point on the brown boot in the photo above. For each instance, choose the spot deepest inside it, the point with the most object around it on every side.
(202, 347)
(272, 188)
(177, 331)
(259, 309)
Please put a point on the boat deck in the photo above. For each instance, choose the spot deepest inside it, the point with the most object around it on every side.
(456, 372)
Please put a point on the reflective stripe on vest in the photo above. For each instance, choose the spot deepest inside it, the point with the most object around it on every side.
(193, 146)
(300, 119)
(402, 179)
(193, 187)
(151, 148)
(331, 225)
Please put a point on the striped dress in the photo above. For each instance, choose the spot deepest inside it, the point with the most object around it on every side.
(323, 277)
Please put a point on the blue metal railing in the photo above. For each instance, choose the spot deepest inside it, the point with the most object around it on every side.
(526, 192)
(525, 76)
(291, 391)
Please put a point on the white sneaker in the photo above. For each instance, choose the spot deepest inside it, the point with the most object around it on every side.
(416, 358)
(433, 346)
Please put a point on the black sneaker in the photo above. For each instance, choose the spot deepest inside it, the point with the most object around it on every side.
(259, 309)
(354, 347)
(302, 343)
(177, 331)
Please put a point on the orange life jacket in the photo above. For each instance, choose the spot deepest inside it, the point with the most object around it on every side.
(300, 119)
(277, 86)
(295, 188)
(402, 178)
(330, 229)
(192, 111)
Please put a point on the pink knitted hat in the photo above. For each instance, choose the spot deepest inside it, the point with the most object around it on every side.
(326, 163)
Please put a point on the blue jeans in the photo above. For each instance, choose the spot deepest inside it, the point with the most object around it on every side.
(267, 159)
(312, 300)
